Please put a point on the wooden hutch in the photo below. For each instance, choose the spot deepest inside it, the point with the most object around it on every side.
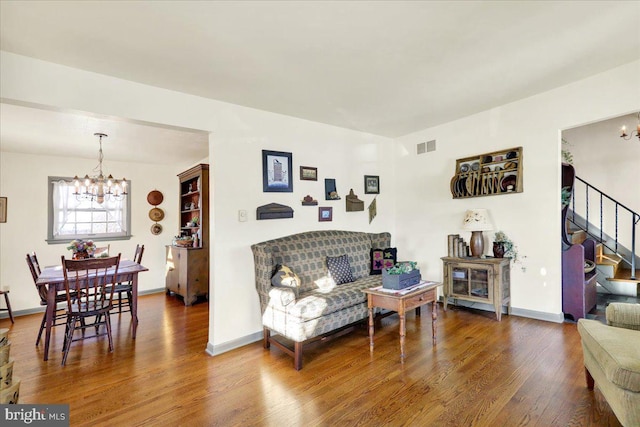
(188, 266)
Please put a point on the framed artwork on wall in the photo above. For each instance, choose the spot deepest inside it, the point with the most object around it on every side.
(308, 173)
(325, 214)
(277, 174)
(371, 184)
(3, 209)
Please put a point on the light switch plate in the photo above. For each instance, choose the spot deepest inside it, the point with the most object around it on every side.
(242, 215)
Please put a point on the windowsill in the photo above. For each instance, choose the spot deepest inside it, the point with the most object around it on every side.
(95, 239)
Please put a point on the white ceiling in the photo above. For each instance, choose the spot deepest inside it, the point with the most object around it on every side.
(25, 129)
(384, 67)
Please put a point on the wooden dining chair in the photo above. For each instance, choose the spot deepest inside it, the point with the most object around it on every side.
(8, 303)
(127, 288)
(59, 316)
(91, 280)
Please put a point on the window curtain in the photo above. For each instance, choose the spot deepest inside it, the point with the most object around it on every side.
(61, 194)
(117, 212)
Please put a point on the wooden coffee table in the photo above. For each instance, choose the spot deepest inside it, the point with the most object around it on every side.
(401, 302)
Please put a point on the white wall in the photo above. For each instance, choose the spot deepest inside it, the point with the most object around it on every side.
(427, 213)
(238, 136)
(23, 180)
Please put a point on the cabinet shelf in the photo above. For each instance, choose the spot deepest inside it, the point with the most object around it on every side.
(188, 267)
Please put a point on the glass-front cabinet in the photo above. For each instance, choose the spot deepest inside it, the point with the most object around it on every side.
(485, 280)
(471, 281)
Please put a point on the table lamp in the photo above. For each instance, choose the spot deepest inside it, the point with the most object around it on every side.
(476, 221)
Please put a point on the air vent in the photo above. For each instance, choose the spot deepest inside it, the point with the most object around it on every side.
(424, 147)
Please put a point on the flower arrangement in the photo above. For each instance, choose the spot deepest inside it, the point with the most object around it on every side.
(80, 245)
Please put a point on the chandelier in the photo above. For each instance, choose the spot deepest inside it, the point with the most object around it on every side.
(98, 188)
(623, 131)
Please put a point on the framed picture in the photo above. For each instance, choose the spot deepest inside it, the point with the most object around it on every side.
(3, 209)
(325, 214)
(277, 174)
(308, 173)
(371, 184)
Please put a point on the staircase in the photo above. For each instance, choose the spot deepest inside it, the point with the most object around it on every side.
(602, 221)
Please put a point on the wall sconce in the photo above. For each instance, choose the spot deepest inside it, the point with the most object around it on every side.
(623, 131)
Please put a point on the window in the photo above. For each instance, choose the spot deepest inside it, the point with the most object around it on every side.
(70, 218)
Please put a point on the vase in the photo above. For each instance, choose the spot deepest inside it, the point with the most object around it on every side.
(81, 255)
(498, 249)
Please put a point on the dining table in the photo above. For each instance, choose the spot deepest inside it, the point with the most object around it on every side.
(52, 278)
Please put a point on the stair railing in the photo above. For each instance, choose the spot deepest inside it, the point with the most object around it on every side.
(600, 234)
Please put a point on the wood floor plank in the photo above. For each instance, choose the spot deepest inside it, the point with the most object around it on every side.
(517, 372)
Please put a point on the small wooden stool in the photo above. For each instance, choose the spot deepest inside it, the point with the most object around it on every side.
(6, 299)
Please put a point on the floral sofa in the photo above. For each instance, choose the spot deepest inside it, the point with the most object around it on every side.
(317, 306)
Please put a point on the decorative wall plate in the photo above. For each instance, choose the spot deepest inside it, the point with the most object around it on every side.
(156, 229)
(508, 183)
(155, 197)
(156, 214)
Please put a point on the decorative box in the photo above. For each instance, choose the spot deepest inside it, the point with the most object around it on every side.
(274, 211)
(400, 281)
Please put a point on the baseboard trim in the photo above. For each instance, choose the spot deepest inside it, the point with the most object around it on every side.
(531, 314)
(214, 350)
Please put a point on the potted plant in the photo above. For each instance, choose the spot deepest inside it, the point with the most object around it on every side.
(504, 247)
(401, 275)
(194, 221)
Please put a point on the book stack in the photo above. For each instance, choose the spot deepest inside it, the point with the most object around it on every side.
(457, 247)
(9, 386)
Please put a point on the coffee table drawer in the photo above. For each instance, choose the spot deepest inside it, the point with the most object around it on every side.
(421, 299)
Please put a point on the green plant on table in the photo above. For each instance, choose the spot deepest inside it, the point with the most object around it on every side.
(510, 249)
(403, 267)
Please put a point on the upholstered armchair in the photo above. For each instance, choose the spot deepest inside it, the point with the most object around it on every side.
(612, 359)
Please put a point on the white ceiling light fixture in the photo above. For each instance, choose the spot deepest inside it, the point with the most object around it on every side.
(623, 131)
(98, 188)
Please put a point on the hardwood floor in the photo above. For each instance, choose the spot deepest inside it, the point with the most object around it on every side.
(481, 373)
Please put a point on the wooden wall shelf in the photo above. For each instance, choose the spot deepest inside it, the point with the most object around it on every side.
(498, 172)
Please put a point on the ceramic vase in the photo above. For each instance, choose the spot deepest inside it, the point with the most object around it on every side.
(498, 249)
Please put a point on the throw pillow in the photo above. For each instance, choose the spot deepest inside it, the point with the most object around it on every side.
(382, 258)
(284, 277)
(340, 269)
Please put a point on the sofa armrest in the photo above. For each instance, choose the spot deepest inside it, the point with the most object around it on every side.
(263, 264)
(281, 296)
(623, 315)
